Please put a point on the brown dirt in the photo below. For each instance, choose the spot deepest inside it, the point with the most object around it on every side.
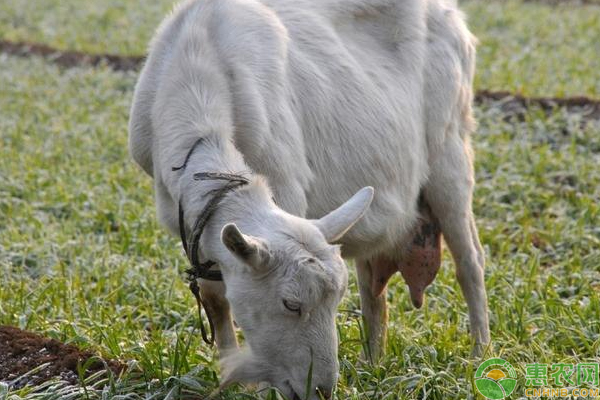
(22, 351)
(511, 104)
(70, 58)
(517, 105)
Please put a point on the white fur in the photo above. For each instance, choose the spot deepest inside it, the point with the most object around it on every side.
(315, 99)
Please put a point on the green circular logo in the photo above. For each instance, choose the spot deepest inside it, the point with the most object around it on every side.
(495, 379)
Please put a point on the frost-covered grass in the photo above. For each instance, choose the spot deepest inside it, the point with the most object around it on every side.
(83, 260)
(98, 26)
(536, 49)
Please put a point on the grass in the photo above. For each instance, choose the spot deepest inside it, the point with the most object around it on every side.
(102, 26)
(512, 35)
(535, 49)
(83, 260)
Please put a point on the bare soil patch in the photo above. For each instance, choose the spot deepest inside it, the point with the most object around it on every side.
(22, 351)
(70, 58)
(516, 105)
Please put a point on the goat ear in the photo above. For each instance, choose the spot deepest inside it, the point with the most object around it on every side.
(335, 224)
(246, 248)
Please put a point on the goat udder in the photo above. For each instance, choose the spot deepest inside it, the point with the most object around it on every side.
(420, 262)
(424, 256)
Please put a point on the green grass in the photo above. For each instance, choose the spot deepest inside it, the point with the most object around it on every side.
(83, 260)
(536, 49)
(512, 36)
(100, 26)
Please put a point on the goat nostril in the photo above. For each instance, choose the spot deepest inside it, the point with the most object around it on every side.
(324, 393)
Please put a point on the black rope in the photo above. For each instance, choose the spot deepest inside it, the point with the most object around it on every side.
(202, 270)
(189, 154)
(205, 176)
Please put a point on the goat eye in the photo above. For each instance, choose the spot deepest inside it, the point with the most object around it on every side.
(292, 306)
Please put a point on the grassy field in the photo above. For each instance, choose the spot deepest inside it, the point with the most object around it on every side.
(513, 37)
(83, 260)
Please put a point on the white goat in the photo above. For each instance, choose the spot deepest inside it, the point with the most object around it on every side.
(312, 100)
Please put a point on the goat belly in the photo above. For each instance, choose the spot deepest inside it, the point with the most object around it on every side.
(420, 262)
